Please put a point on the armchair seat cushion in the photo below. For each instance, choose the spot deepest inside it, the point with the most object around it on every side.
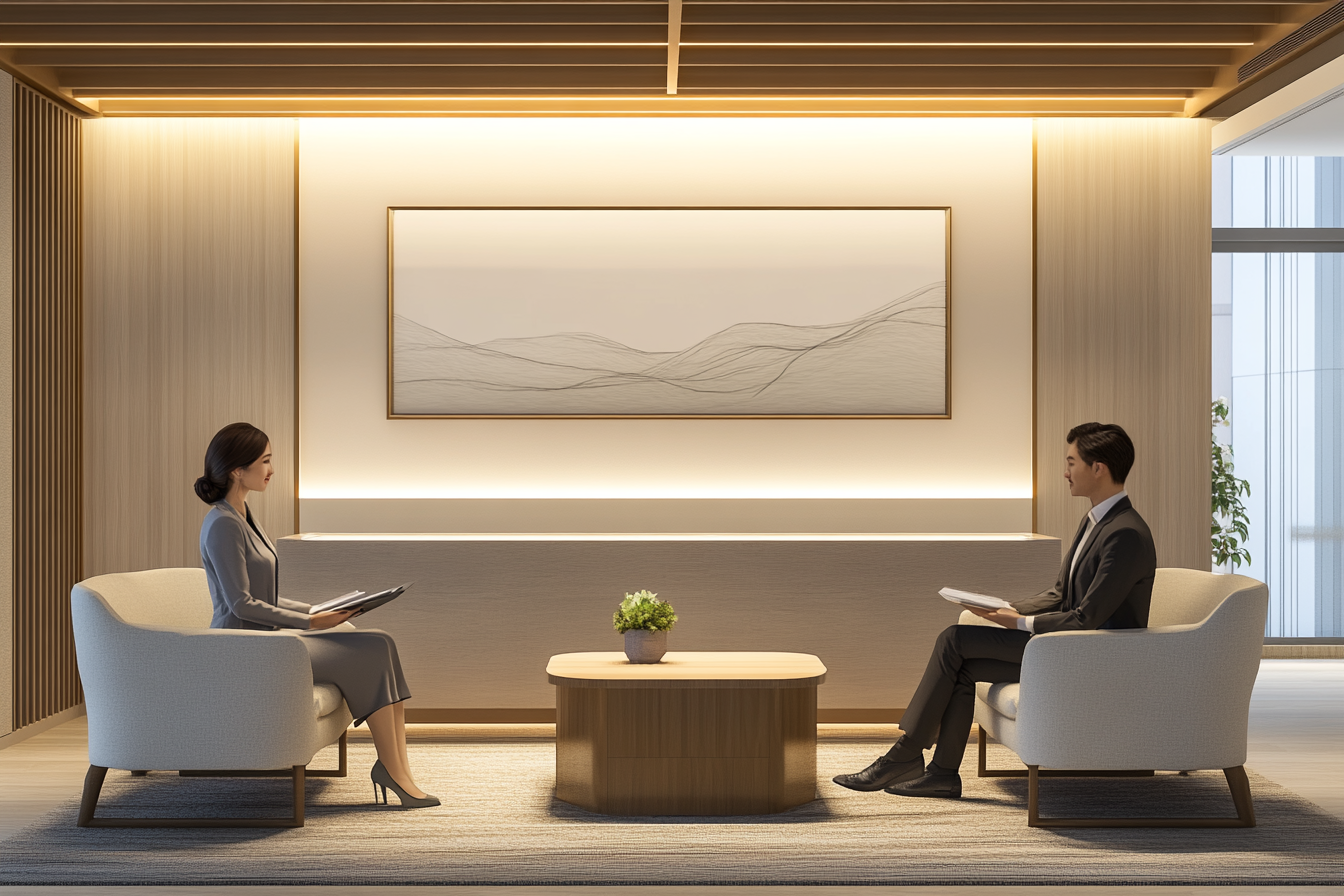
(327, 698)
(1002, 697)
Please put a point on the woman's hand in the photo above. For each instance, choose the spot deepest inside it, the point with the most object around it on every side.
(329, 619)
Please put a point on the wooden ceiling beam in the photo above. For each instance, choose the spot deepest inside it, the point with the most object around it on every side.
(646, 12)
(1036, 57)
(108, 81)
(93, 57)
(972, 33)
(280, 57)
(266, 96)
(630, 12)
(673, 44)
(307, 35)
(635, 104)
(955, 13)
(46, 82)
(1229, 84)
(955, 49)
(296, 35)
(940, 77)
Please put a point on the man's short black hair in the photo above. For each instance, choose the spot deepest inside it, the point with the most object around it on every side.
(1107, 443)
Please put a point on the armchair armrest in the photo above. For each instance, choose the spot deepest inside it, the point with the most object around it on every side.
(1175, 697)
(203, 699)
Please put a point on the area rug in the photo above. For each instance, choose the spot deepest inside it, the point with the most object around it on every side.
(500, 824)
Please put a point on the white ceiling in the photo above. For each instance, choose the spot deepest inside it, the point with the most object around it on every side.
(1316, 131)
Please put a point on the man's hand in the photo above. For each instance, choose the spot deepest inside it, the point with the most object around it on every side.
(1005, 617)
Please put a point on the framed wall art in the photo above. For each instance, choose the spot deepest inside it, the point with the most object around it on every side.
(669, 312)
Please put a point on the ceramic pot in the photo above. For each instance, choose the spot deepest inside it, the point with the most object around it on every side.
(643, 646)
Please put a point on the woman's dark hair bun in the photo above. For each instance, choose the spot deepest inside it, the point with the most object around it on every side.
(236, 445)
(208, 491)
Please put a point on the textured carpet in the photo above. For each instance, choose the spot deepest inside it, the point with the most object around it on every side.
(500, 824)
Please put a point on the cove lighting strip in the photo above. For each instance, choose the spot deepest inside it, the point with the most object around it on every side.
(679, 100)
(562, 536)
(593, 495)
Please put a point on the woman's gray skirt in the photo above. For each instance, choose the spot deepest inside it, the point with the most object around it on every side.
(364, 664)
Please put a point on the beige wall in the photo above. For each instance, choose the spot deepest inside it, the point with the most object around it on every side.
(188, 324)
(189, 316)
(664, 475)
(1123, 316)
(6, 404)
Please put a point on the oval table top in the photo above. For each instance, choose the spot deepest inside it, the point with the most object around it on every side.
(687, 669)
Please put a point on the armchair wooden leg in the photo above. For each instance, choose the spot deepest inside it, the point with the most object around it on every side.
(93, 785)
(341, 768)
(1237, 782)
(298, 796)
(1240, 785)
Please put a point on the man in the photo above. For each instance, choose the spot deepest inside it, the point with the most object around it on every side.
(1106, 581)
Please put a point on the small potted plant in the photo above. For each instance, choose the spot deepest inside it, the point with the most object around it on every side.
(644, 620)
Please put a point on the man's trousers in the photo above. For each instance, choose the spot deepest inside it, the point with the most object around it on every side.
(944, 703)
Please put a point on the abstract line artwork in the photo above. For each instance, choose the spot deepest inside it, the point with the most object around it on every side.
(677, 312)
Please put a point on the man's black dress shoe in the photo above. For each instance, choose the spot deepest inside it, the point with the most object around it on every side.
(946, 787)
(881, 773)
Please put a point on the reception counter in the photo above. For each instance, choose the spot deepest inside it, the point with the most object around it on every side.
(488, 611)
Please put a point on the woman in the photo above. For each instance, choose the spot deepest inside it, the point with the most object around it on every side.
(240, 566)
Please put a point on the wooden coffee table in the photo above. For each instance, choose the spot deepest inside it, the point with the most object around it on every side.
(697, 734)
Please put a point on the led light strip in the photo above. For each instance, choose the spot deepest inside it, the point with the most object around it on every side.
(643, 536)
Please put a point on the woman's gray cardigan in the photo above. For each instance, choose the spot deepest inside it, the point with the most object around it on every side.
(240, 568)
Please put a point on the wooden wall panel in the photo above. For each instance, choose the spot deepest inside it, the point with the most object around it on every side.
(46, 395)
(1124, 236)
(189, 324)
(6, 403)
(807, 594)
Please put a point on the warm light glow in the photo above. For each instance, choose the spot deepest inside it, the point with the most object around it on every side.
(677, 100)
(717, 43)
(687, 536)
(958, 43)
(618, 492)
(351, 44)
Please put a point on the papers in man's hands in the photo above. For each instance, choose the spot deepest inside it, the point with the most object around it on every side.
(359, 601)
(971, 599)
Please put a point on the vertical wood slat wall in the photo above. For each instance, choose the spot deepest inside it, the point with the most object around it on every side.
(47, 438)
(1123, 316)
(189, 324)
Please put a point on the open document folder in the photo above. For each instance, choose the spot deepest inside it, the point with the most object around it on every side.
(359, 601)
(971, 599)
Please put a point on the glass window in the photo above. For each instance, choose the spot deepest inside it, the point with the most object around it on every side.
(1278, 355)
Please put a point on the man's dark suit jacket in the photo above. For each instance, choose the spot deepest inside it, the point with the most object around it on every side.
(1112, 585)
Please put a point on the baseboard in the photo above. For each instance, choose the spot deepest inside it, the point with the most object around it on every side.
(1302, 652)
(27, 731)
(889, 716)
(547, 716)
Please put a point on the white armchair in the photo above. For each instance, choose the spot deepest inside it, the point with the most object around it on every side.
(1174, 696)
(163, 690)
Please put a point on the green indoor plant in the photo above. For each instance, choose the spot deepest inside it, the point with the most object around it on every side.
(1231, 526)
(644, 620)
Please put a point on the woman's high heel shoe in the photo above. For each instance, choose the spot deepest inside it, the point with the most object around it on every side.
(383, 778)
